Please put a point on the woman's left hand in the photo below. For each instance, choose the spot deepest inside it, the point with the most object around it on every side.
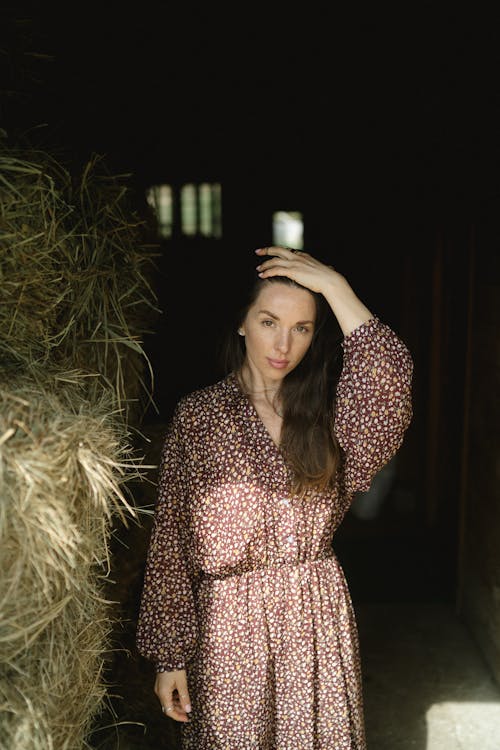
(299, 266)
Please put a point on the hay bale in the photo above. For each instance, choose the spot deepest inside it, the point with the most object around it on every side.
(76, 302)
(75, 272)
(65, 470)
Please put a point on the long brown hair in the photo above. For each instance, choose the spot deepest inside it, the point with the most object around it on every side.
(307, 393)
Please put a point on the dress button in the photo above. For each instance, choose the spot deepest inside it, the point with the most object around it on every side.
(285, 501)
(291, 539)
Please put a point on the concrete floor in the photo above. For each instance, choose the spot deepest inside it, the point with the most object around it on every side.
(426, 684)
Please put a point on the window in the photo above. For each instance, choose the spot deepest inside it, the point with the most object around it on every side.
(288, 229)
(198, 205)
(209, 197)
(188, 210)
(160, 199)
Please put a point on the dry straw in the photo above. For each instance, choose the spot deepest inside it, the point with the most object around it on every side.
(65, 471)
(74, 272)
(75, 302)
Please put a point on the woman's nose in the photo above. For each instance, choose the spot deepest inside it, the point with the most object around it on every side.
(283, 341)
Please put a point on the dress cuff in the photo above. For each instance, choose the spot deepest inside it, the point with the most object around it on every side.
(360, 332)
(169, 667)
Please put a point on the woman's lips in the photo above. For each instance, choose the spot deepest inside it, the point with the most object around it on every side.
(279, 364)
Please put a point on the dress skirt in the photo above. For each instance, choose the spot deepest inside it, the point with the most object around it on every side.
(281, 667)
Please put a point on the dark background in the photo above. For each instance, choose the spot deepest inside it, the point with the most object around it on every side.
(380, 124)
(382, 111)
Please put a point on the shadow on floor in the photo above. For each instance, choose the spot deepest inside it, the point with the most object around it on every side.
(426, 684)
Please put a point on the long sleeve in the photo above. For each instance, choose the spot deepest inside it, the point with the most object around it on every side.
(166, 630)
(373, 401)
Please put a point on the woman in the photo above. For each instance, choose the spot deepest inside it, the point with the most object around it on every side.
(245, 610)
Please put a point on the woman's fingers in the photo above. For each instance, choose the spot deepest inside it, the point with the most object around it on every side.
(279, 258)
(297, 265)
(175, 711)
(277, 251)
(285, 257)
(172, 692)
(183, 693)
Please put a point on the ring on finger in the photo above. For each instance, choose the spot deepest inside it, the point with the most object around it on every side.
(166, 709)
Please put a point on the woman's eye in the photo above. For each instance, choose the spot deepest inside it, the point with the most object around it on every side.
(267, 323)
(302, 329)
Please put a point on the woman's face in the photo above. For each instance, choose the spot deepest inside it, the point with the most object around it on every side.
(278, 329)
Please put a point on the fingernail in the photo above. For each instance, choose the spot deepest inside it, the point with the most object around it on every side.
(188, 708)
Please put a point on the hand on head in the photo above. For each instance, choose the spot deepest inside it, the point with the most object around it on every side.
(297, 265)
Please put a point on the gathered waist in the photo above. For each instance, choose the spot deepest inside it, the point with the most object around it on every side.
(254, 567)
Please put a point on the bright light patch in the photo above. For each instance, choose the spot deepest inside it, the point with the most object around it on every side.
(471, 726)
(188, 210)
(160, 198)
(288, 229)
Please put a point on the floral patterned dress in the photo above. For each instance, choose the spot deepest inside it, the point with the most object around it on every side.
(242, 587)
